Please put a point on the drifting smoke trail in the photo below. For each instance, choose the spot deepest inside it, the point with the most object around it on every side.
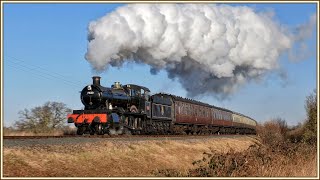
(208, 48)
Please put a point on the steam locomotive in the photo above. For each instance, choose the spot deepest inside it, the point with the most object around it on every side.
(130, 109)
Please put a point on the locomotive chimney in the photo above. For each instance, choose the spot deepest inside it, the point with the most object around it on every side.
(96, 80)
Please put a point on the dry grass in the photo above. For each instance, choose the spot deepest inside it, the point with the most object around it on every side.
(107, 158)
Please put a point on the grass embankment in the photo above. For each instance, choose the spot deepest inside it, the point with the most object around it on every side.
(111, 158)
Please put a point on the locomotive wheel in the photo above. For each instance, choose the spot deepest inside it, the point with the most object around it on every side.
(80, 130)
(133, 109)
(99, 129)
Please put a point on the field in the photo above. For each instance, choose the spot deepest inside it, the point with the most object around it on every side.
(112, 158)
(222, 157)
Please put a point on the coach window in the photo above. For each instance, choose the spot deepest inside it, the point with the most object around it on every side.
(182, 108)
(158, 111)
(187, 109)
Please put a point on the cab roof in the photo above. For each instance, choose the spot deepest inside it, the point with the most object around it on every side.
(137, 87)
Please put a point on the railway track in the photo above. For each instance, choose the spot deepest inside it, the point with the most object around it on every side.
(74, 140)
(115, 136)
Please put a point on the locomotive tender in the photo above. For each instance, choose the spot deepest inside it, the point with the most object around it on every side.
(131, 109)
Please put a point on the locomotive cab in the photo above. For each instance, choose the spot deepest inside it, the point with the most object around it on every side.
(139, 96)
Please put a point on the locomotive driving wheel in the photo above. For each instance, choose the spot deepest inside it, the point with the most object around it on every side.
(133, 109)
(99, 129)
(80, 130)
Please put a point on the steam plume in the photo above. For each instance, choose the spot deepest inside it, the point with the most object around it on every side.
(207, 48)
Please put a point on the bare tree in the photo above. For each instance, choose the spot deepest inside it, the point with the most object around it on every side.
(51, 115)
(310, 134)
(282, 125)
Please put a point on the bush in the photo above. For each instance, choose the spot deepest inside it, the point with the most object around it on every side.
(271, 133)
(310, 128)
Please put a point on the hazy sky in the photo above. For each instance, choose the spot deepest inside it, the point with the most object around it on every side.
(45, 45)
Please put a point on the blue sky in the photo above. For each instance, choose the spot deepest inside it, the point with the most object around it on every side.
(44, 47)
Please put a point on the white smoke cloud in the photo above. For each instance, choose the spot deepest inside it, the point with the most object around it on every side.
(207, 48)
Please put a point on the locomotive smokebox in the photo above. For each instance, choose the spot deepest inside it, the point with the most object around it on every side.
(96, 80)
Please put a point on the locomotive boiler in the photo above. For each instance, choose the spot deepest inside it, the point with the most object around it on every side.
(127, 97)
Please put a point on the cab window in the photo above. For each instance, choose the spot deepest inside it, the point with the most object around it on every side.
(146, 95)
(132, 92)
